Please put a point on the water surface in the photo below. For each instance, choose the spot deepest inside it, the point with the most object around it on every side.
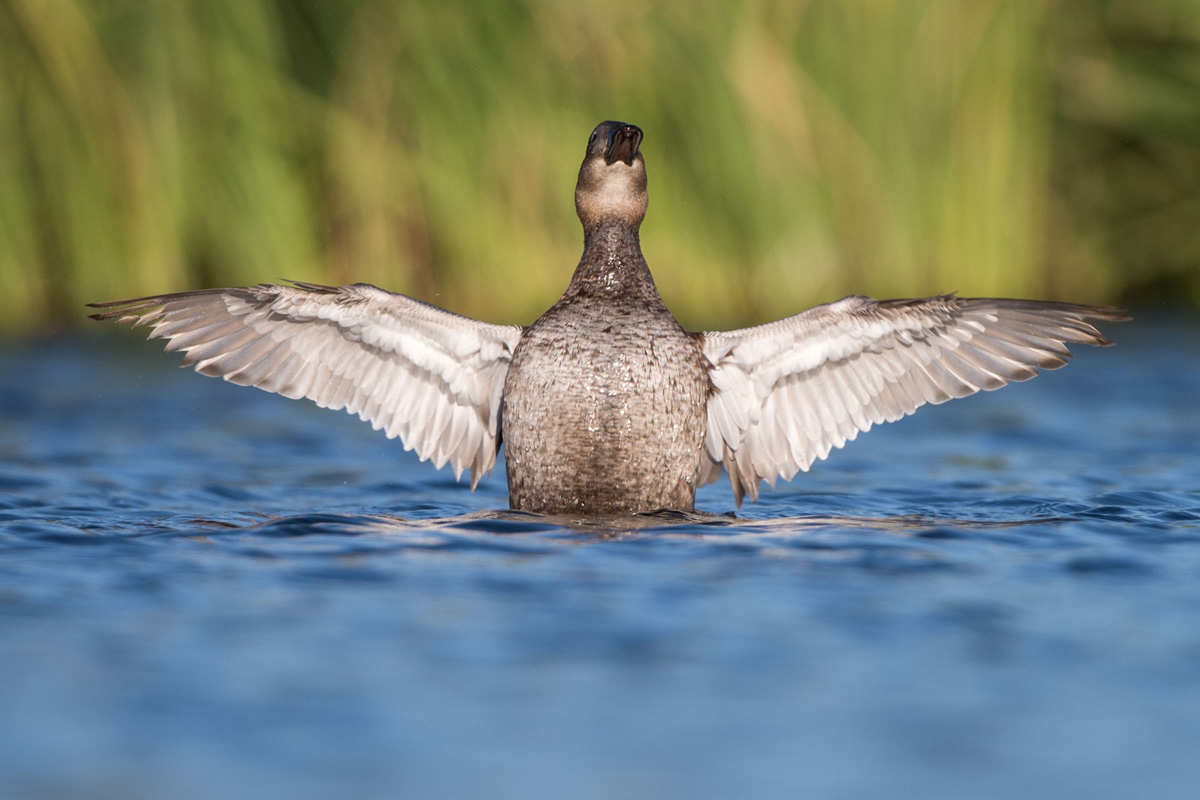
(207, 591)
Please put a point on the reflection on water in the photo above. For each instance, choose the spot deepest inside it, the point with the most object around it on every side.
(208, 591)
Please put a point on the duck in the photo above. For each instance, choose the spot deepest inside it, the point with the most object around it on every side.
(605, 404)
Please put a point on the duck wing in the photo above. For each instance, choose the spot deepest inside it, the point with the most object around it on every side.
(433, 378)
(787, 392)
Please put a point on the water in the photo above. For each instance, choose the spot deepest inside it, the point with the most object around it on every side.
(207, 591)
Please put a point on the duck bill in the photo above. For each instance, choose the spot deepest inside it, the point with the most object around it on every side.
(623, 145)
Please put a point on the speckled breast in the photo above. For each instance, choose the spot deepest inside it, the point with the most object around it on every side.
(604, 412)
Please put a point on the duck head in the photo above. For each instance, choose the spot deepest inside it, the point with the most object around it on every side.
(612, 179)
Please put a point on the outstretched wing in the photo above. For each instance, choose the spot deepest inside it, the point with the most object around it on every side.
(431, 377)
(786, 392)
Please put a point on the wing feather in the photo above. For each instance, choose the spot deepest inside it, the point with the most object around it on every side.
(786, 393)
(433, 378)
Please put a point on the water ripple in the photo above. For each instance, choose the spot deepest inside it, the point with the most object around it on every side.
(222, 590)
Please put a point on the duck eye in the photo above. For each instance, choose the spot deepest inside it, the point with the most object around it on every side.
(592, 140)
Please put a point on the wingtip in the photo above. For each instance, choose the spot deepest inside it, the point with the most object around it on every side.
(118, 314)
(111, 304)
(1106, 313)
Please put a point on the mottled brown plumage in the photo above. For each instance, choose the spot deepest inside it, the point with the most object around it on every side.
(604, 405)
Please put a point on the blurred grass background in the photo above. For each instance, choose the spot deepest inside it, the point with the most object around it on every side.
(798, 151)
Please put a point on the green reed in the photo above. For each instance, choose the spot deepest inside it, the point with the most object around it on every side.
(798, 151)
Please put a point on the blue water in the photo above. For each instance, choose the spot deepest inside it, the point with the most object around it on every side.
(208, 591)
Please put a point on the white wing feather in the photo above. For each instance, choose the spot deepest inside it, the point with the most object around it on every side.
(433, 378)
(786, 393)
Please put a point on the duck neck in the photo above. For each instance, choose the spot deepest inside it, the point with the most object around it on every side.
(612, 265)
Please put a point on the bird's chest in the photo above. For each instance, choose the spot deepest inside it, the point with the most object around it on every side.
(606, 369)
(610, 385)
(604, 411)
